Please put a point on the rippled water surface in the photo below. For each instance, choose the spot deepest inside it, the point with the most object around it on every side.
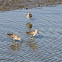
(49, 44)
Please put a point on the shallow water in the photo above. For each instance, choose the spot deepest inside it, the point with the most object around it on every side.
(49, 22)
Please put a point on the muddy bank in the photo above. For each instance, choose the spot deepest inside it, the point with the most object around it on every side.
(45, 48)
(6, 5)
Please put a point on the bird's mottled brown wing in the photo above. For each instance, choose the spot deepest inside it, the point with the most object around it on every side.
(16, 35)
(13, 35)
(30, 33)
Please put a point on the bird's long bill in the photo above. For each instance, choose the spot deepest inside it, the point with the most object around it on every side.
(38, 33)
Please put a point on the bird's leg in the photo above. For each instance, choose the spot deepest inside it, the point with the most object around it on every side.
(31, 37)
(32, 49)
(29, 29)
(37, 50)
(21, 41)
(30, 20)
(16, 51)
(14, 41)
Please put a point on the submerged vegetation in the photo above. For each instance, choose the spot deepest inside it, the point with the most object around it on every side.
(27, 4)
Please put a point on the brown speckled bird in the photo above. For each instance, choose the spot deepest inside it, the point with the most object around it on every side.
(15, 37)
(32, 33)
(29, 26)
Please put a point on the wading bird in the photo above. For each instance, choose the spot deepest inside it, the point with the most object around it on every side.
(32, 33)
(29, 16)
(15, 37)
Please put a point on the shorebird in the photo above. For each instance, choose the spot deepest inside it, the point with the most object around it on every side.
(29, 26)
(29, 16)
(15, 37)
(32, 33)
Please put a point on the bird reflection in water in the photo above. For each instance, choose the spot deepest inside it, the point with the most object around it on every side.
(33, 45)
(29, 26)
(15, 47)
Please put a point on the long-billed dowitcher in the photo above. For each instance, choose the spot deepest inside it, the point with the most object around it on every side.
(15, 37)
(32, 33)
(29, 26)
(29, 16)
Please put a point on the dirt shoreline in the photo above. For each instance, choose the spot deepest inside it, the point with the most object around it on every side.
(6, 5)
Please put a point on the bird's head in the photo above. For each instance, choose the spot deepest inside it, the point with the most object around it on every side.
(36, 29)
(20, 39)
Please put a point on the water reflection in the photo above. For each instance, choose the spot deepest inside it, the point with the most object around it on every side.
(33, 45)
(40, 37)
(15, 47)
(29, 26)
